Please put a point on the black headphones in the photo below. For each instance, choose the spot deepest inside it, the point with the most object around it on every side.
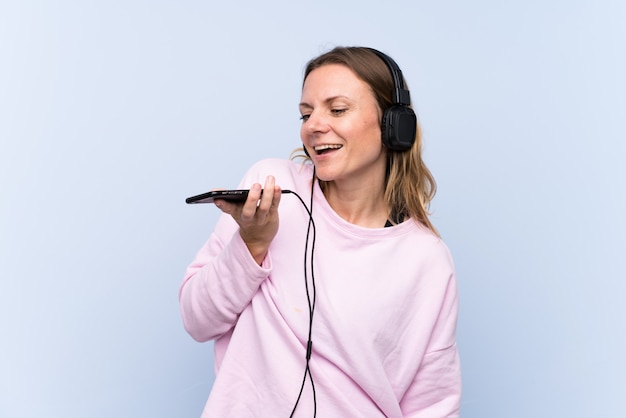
(399, 123)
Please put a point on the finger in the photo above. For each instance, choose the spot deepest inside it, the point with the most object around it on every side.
(250, 206)
(268, 196)
(277, 197)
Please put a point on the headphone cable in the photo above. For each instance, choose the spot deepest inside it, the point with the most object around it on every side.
(311, 296)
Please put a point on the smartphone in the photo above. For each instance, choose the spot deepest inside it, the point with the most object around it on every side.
(238, 195)
(209, 197)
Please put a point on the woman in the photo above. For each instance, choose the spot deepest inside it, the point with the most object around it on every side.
(365, 327)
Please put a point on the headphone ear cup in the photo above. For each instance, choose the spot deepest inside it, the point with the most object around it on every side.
(399, 128)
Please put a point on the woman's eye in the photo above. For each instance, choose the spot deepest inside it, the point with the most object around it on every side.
(304, 118)
(338, 112)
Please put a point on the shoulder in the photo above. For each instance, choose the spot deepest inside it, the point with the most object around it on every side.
(287, 172)
(438, 247)
(431, 249)
(275, 164)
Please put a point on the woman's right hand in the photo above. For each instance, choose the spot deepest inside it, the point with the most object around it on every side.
(257, 217)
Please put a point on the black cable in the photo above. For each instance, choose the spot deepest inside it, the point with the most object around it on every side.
(310, 300)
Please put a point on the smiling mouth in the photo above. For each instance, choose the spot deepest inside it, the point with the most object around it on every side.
(322, 149)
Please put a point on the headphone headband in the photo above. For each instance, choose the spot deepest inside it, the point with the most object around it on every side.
(399, 123)
(401, 95)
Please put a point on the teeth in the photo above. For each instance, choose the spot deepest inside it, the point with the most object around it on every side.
(326, 147)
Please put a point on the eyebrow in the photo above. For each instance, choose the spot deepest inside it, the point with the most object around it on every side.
(328, 100)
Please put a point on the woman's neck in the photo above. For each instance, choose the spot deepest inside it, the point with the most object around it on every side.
(362, 205)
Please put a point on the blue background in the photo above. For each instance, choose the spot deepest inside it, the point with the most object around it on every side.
(112, 112)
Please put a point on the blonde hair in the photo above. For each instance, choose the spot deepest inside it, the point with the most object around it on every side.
(410, 186)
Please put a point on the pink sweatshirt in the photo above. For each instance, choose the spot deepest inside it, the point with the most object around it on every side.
(384, 324)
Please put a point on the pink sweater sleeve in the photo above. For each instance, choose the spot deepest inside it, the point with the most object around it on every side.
(219, 283)
(436, 387)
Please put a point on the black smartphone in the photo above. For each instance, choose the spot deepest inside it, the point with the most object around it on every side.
(233, 195)
(209, 197)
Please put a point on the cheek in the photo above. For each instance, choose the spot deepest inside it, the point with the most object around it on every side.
(371, 130)
(372, 122)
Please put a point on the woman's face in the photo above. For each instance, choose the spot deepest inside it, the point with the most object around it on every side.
(341, 126)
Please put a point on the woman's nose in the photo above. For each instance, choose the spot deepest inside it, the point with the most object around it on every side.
(315, 122)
